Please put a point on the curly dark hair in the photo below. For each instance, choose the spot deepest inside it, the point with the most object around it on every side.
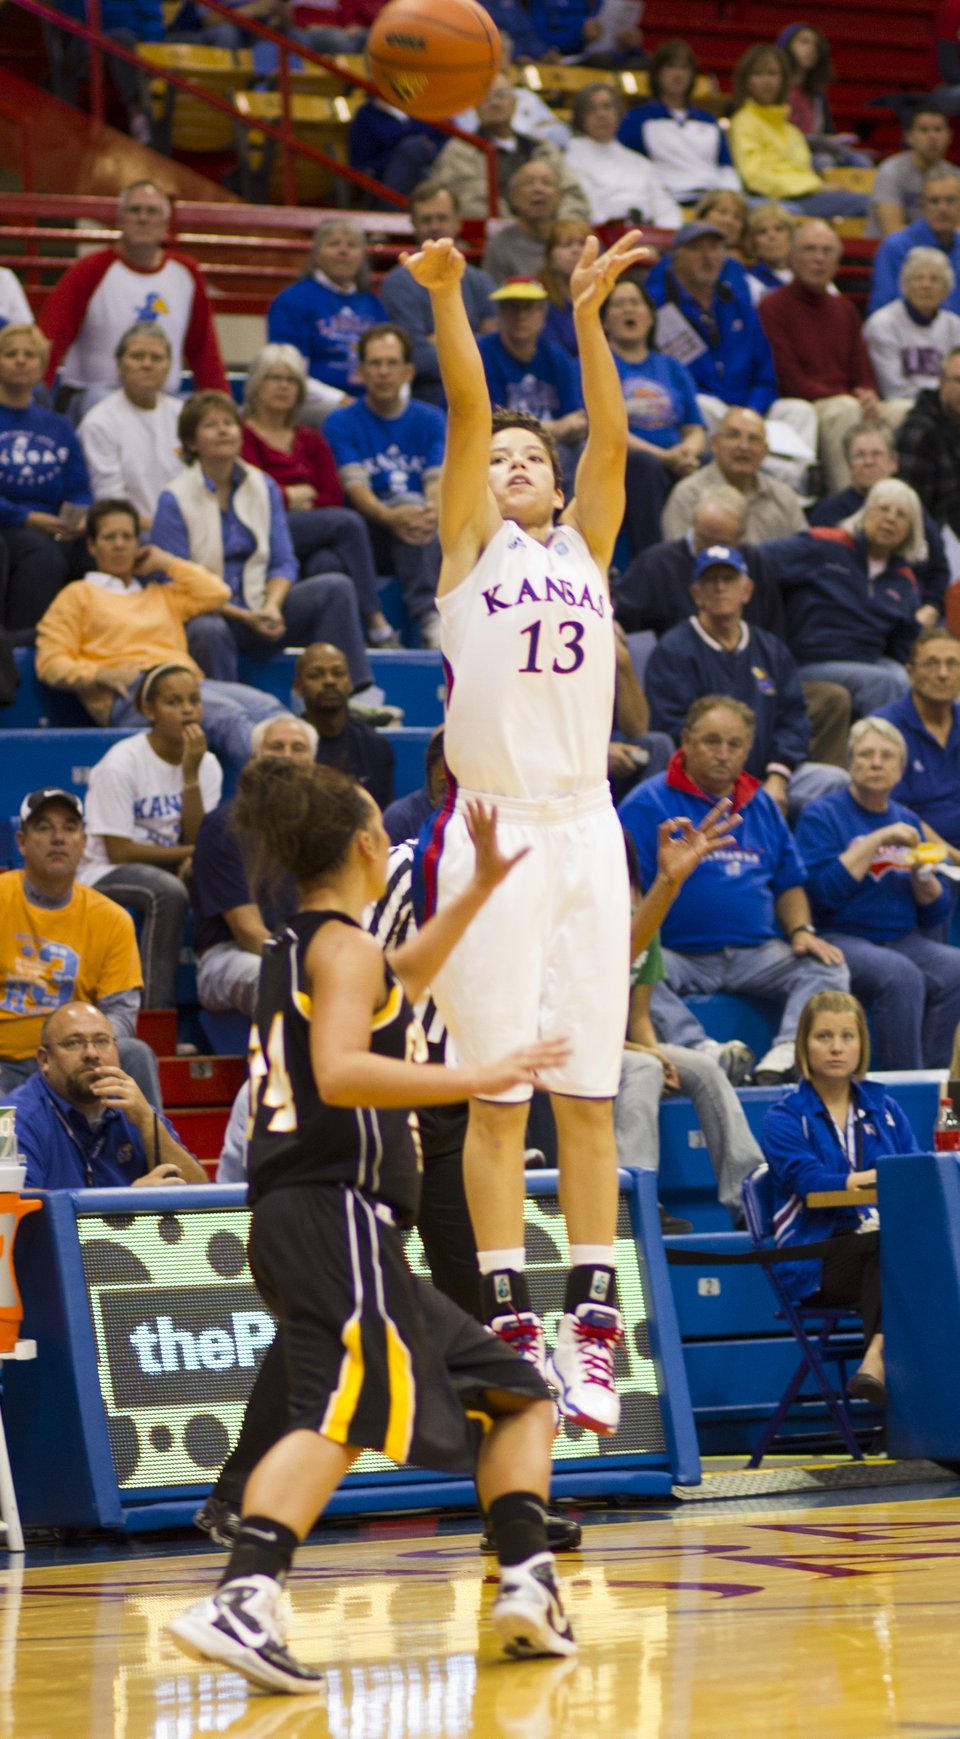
(298, 820)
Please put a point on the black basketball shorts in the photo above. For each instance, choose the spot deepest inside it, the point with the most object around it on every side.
(376, 1357)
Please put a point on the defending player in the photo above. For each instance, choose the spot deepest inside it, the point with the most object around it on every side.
(376, 1358)
(527, 637)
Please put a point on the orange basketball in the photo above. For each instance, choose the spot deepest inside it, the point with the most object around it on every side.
(433, 58)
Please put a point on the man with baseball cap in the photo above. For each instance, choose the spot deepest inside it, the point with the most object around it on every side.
(717, 652)
(527, 372)
(706, 321)
(63, 942)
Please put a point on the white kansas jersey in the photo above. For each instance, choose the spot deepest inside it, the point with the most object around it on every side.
(528, 642)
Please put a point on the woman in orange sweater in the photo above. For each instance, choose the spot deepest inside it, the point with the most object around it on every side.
(101, 633)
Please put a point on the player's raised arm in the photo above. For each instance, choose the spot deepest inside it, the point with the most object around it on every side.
(468, 514)
(597, 507)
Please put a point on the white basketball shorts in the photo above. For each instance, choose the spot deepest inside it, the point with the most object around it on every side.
(549, 953)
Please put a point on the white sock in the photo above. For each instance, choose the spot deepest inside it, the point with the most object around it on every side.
(592, 1256)
(491, 1261)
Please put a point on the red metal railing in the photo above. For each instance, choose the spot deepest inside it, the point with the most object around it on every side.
(246, 253)
(283, 132)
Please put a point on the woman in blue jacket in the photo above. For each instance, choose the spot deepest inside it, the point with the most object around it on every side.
(873, 895)
(827, 1134)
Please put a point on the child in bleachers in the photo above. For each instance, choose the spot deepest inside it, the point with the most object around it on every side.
(811, 71)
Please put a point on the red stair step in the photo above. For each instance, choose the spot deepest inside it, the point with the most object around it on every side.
(201, 1080)
(158, 1028)
(201, 1130)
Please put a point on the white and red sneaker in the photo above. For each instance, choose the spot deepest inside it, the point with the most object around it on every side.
(581, 1367)
(523, 1331)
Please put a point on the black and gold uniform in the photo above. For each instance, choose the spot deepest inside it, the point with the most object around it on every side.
(375, 1356)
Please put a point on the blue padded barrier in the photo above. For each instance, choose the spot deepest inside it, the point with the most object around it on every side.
(919, 1199)
(412, 680)
(737, 1017)
(55, 757)
(721, 1303)
(65, 757)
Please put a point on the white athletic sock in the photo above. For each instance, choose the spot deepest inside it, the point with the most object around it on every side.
(592, 1256)
(492, 1261)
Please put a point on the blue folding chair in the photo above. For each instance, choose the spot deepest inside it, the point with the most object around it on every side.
(813, 1326)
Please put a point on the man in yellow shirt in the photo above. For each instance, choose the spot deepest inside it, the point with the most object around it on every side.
(60, 942)
(101, 634)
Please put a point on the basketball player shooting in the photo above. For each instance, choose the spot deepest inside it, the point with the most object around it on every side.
(527, 639)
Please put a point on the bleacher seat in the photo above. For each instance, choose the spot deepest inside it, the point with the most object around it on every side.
(320, 121)
(179, 121)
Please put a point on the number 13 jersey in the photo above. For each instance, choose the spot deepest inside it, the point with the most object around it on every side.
(527, 639)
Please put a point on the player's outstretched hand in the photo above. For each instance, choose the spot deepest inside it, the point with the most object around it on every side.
(436, 265)
(523, 1067)
(681, 846)
(491, 867)
(595, 274)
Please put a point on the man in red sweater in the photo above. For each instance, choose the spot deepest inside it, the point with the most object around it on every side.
(136, 281)
(818, 349)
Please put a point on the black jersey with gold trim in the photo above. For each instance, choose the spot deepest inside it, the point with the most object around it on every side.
(296, 1138)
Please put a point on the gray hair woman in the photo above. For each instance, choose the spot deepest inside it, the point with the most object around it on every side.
(908, 339)
(891, 521)
(871, 865)
(328, 537)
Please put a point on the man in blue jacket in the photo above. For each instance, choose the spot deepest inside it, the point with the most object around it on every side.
(937, 228)
(744, 925)
(708, 322)
(717, 652)
(83, 1123)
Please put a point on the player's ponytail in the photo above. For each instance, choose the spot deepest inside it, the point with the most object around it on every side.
(298, 821)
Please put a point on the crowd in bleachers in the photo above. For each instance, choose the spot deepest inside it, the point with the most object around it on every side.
(787, 557)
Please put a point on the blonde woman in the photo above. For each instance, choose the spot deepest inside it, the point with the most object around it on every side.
(827, 1134)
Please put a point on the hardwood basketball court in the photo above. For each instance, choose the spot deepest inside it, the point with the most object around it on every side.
(795, 1617)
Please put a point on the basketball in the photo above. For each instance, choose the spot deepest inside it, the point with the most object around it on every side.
(433, 58)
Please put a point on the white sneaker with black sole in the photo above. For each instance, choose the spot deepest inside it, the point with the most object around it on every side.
(527, 1614)
(241, 1628)
(582, 1365)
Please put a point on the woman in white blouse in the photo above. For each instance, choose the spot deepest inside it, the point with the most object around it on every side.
(618, 182)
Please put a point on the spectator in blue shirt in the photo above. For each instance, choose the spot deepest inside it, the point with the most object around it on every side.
(571, 26)
(229, 516)
(324, 314)
(880, 902)
(389, 451)
(404, 817)
(42, 470)
(662, 411)
(82, 1121)
(527, 372)
(937, 228)
(708, 322)
(744, 925)
(928, 718)
(434, 213)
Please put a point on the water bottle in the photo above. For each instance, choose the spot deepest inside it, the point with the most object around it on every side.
(946, 1135)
